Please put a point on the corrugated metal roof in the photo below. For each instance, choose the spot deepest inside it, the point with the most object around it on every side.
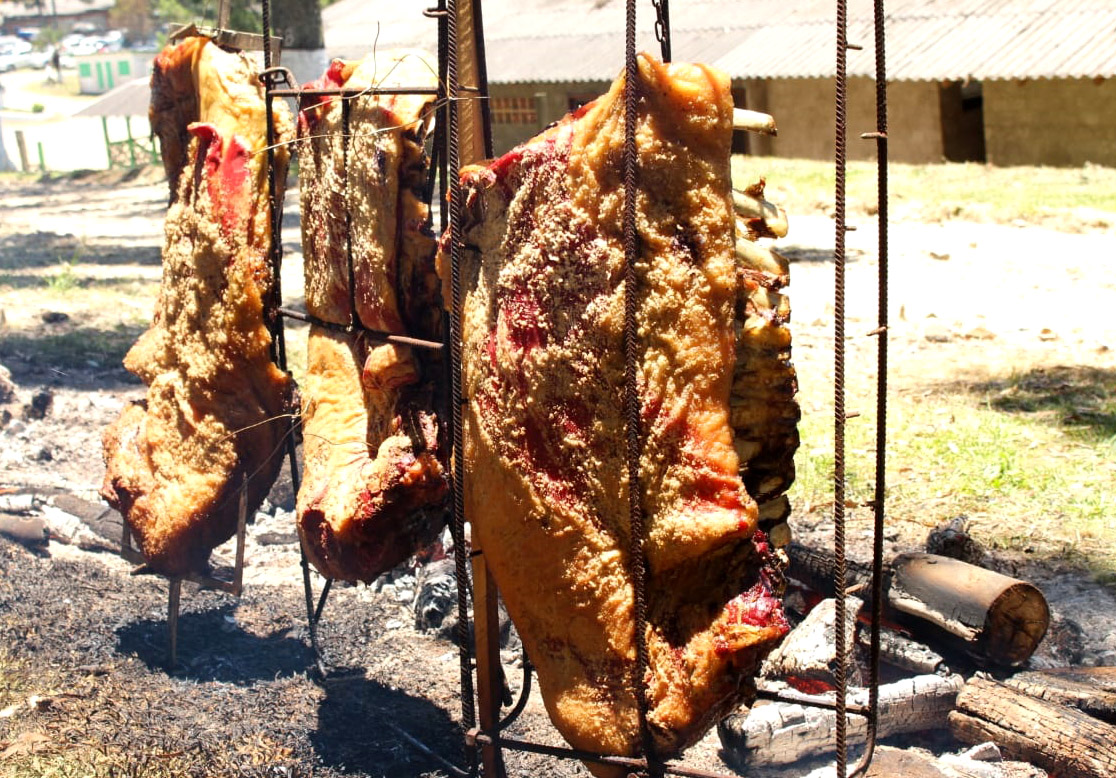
(576, 40)
(129, 99)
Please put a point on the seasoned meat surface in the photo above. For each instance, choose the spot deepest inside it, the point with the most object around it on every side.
(374, 487)
(217, 408)
(543, 371)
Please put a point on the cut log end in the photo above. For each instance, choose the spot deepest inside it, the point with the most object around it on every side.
(1017, 622)
(753, 121)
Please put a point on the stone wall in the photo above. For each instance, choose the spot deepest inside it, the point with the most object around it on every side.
(803, 109)
(1062, 122)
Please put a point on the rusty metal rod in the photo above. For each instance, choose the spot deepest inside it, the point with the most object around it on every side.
(839, 414)
(352, 91)
(402, 340)
(850, 707)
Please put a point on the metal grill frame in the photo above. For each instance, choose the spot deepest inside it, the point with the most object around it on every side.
(485, 744)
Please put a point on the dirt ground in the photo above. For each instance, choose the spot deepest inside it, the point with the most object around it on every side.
(968, 301)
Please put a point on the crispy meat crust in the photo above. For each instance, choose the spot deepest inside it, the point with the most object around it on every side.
(543, 371)
(217, 408)
(374, 487)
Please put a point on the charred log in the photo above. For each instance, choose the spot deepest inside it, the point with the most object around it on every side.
(945, 602)
(1060, 739)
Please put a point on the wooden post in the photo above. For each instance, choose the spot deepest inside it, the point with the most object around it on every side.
(108, 143)
(21, 143)
(475, 144)
(486, 622)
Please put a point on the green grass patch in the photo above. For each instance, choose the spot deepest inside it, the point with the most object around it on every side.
(948, 190)
(1028, 479)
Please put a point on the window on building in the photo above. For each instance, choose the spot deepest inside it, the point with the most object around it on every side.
(513, 110)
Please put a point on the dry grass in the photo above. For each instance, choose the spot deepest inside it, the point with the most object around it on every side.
(1061, 198)
(1028, 457)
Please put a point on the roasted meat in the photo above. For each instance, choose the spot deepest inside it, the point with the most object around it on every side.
(217, 408)
(764, 413)
(374, 487)
(543, 371)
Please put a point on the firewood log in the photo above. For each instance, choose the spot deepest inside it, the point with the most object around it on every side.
(945, 602)
(784, 732)
(1063, 740)
(1090, 689)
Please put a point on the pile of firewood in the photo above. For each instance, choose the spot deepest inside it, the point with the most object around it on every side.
(955, 640)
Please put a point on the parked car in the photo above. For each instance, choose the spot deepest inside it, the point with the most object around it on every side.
(16, 53)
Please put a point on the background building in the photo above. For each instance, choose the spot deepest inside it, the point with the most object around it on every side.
(1003, 81)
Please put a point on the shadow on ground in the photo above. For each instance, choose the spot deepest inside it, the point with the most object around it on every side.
(67, 357)
(213, 647)
(359, 721)
(43, 282)
(1079, 399)
(44, 249)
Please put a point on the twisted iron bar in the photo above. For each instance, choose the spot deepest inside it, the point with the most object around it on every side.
(878, 499)
(453, 158)
(839, 569)
(637, 561)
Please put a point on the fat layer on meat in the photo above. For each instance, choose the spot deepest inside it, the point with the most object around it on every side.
(374, 486)
(217, 408)
(543, 371)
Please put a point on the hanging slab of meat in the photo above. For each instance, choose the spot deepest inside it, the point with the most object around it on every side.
(764, 413)
(543, 370)
(217, 408)
(374, 487)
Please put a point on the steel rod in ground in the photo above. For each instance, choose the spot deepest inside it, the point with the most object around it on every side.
(352, 91)
(453, 159)
(322, 600)
(637, 562)
(841, 108)
(634, 764)
(879, 496)
(174, 601)
(813, 702)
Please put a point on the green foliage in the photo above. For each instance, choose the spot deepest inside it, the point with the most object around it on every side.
(134, 16)
(47, 37)
(65, 280)
(1029, 474)
(243, 15)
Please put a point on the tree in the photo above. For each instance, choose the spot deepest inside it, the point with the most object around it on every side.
(134, 16)
(243, 15)
(298, 22)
